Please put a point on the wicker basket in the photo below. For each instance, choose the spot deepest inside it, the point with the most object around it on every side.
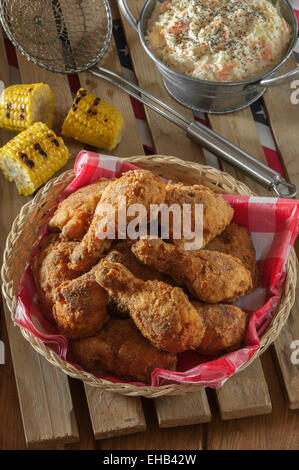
(24, 233)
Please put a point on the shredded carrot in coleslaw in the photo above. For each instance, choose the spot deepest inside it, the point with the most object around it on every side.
(227, 67)
(238, 39)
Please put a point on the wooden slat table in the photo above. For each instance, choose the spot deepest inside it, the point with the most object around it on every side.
(98, 402)
(281, 111)
(58, 412)
(247, 400)
(240, 129)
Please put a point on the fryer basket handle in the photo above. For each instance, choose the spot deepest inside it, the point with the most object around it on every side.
(122, 4)
(234, 155)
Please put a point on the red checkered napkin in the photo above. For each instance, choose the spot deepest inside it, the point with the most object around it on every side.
(273, 224)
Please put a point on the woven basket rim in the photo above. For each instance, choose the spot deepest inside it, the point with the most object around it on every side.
(220, 181)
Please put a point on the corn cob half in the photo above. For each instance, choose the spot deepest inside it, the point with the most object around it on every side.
(23, 105)
(93, 121)
(32, 157)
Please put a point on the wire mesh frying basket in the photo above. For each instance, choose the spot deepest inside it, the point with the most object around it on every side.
(64, 36)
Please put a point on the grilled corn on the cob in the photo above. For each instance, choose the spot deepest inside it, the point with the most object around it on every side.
(23, 105)
(32, 157)
(93, 121)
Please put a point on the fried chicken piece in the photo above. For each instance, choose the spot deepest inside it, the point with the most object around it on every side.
(217, 213)
(161, 312)
(236, 241)
(121, 253)
(73, 215)
(50, 268)
(120, 349)
(138, 187)
(225, 328)
(210, 276)
(80, 309)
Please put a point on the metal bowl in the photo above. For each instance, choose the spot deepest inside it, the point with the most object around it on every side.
(208, 96)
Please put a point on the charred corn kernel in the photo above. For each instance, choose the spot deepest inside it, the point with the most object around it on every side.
(23, 105)
(32, 157)
(93, 121)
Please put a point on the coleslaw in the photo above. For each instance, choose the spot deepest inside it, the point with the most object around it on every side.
(218, 40)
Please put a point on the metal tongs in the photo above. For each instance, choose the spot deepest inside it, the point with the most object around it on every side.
(204, 136)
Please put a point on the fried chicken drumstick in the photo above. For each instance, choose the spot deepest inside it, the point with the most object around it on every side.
(225, 328)
(217, 213)
(236, 241)
(80, 309)
(73, 215)
(50, 268)
(138, 187)
(210, 276)
(161, 312)
(121, 253)
(120, 348)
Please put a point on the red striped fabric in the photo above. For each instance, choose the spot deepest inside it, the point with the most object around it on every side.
(272, 158)
(74, 83)
(11, 54)
(138, 109)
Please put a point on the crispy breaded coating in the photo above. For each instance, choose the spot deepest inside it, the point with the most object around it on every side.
(120, 349)
(236, 241)
(138, 187)
(217, 213)
(73, 215)
(225, 328)
(121, 253)
(210, 276)
(50, 268)
(162, 313)
(80, 309)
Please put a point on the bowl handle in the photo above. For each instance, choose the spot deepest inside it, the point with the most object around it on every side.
(122, 4)
(285, 78)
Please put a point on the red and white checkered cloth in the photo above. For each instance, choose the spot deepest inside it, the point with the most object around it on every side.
(274, 225)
